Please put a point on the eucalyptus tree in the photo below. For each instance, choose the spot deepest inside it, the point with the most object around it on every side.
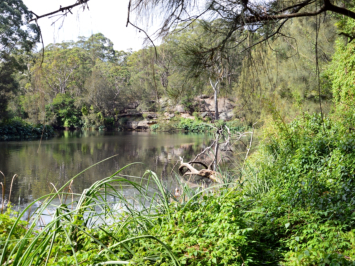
(59, 72)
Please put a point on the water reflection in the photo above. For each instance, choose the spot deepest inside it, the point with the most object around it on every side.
(38, 164)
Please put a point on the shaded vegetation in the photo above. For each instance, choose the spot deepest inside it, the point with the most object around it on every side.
(18, 129)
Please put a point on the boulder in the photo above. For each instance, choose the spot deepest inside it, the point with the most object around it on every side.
(230, 115)
(133, 125)
(222, 116)
(226, 116)
(143, 124)
(179, 108)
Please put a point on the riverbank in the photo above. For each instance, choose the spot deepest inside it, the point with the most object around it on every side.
(291, 203)
(18, 129)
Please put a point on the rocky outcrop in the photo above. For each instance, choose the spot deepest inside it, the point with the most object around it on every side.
(207, 104)
(226, 116)
(203, 104)
(139, 125)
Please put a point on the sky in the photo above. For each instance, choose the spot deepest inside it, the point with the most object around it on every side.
(106, 16)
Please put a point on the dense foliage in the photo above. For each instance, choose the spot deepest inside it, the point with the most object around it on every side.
(16, 128)
(17, 38)
(292, 205)
(101, 83)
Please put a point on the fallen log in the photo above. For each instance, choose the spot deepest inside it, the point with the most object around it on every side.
(206, 173)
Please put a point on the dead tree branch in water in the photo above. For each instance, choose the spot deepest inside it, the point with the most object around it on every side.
(210, 170)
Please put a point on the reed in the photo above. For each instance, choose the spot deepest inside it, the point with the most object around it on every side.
(95, 218)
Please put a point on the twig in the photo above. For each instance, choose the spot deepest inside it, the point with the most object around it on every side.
(204, 151)
(146, 34)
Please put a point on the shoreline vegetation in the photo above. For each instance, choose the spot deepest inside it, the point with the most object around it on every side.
(19, 129)
(290, 203)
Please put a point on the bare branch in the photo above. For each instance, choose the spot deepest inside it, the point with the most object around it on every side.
(61, 9)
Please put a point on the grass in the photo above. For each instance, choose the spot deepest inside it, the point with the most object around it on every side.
(293, 204)
(92, 221)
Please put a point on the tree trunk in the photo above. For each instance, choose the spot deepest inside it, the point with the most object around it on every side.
(215, 89)
(215, 105)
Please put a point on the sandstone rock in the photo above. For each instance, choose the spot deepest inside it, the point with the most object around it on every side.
(143, 124)
(230, 115)
(133, 125)
(179, 108)
(226, 116)
(187, 116)
(223, 116)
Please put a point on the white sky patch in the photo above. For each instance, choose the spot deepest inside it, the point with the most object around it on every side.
(105, 16)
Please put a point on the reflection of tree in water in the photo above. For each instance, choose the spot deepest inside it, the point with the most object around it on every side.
(61, 158)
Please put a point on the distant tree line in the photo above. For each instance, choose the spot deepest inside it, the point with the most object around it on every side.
(88, 83)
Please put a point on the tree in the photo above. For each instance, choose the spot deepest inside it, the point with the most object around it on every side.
(237, 16)
(16, 36)
(341, 73)
(219, 69)
(282, 72)
(15, 32)
(57, 73)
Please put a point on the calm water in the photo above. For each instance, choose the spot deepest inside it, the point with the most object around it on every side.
(60, 158)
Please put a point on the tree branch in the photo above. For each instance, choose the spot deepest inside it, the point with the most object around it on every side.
(61, 9)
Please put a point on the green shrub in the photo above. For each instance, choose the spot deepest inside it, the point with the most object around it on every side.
(7, 221)
(65, 112)
(17, 128)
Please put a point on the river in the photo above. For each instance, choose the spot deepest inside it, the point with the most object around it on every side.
(40, 163)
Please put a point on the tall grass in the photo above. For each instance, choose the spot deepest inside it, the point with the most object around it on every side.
(94, 216)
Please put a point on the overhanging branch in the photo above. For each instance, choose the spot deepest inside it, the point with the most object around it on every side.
(61, 9)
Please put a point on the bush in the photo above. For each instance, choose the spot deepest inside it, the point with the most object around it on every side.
(304, 175)
(17, 128)
(65, 112)
(292, 205)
